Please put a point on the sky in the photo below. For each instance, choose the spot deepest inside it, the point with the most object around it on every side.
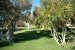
(35, 3)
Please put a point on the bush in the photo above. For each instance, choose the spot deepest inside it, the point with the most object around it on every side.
(72, 47)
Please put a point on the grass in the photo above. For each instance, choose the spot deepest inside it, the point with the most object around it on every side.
(39, 44)
(22, 31)
(33, 40)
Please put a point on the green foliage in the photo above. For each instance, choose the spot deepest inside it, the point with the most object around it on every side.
(72, 45)
(53, 13)
(12, 12)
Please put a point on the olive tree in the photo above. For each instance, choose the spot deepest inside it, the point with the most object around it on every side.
(12, 11)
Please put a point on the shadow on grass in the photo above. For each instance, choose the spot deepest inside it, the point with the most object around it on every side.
(27, 36)
(30, 35)
(3, 44)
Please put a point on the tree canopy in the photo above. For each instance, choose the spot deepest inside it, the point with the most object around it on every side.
(11, 11)
(55, 14)
(56, 11)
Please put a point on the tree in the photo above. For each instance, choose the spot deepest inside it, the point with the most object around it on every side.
(55, 14)
(12, 11)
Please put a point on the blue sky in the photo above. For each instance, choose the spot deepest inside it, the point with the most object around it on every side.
(35, 3)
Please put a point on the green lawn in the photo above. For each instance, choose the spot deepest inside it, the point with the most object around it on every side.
(31, 40)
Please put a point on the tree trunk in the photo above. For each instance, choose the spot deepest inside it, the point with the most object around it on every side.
(28, 25)
(42, 26)
(7, 37)
(63, 34)
(3, 37)
(10, 35)
(55, 36)
(10, 32)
